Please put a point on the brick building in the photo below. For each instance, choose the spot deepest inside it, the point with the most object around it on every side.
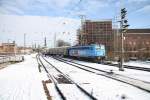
(99, 32)
(8, 48)
(136, 41)
(26, 50)
(136, 44)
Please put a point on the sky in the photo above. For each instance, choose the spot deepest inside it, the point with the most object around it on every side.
(45, 18)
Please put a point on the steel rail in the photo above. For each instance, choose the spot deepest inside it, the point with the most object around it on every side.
(131, 81)
(77, 85)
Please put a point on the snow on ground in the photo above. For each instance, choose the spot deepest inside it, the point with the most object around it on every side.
(136, 74)
(105, 91)
(138, 64)
(53, 92)
(101, 87)
(70, 91)
(22, 81)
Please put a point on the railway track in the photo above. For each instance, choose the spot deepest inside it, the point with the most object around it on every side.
(131, 67)
(128, 67)
(131, 81)
(51, 78)
(56, 83)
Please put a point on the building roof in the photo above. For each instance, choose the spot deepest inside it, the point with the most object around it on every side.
(137, 31)
(101, 20)
(147, 30)
(4, 44)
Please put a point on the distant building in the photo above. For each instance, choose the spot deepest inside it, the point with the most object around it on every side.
(8, 48)
(26, 50)
(1, 48)
(12, 49)
(96, 32)
(136, 44)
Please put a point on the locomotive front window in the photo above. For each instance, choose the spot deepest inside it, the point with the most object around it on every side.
(102, 47)
(98, 48)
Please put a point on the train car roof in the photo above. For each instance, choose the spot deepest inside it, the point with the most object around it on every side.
(86, 46)
(60, 47)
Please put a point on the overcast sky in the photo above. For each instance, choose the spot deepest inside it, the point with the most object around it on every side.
(37, 28)
(40, 18)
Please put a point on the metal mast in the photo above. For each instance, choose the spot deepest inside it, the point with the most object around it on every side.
(24, 42)
(45, 42)
(82, 28)
(124, 26)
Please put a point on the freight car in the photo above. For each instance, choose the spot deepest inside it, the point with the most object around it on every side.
(61, 51)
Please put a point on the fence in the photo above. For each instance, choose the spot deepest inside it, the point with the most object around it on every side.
(5, 59)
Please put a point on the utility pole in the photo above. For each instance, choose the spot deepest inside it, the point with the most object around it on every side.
(45, 42)
(15, 46)
(8, 46)
(24, 42)
(123, 29)
(82, 28)
(54, 40)
(35, 45)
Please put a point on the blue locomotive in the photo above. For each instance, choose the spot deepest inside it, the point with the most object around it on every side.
(93, 51)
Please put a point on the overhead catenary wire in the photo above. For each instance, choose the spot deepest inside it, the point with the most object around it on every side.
(75, 6)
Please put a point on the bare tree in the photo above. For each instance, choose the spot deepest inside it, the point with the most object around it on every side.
(61, 43)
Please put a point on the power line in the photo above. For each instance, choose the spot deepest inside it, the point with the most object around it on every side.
(134, 10)
(75, 6)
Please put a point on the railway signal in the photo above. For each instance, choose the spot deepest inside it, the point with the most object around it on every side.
(124, 21)
(123, 13)
(124, 27)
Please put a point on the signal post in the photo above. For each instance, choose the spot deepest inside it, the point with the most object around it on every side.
(123, 29)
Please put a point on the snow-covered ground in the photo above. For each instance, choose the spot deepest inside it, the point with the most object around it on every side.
(16, 58)
(22, 81)
(138, 63)
(70, 91)
(101, 87)
(136, 74)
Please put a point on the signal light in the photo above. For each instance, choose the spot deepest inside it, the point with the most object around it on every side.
(125, 26)
(123, 13)
(125, 21)
(123, 10)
